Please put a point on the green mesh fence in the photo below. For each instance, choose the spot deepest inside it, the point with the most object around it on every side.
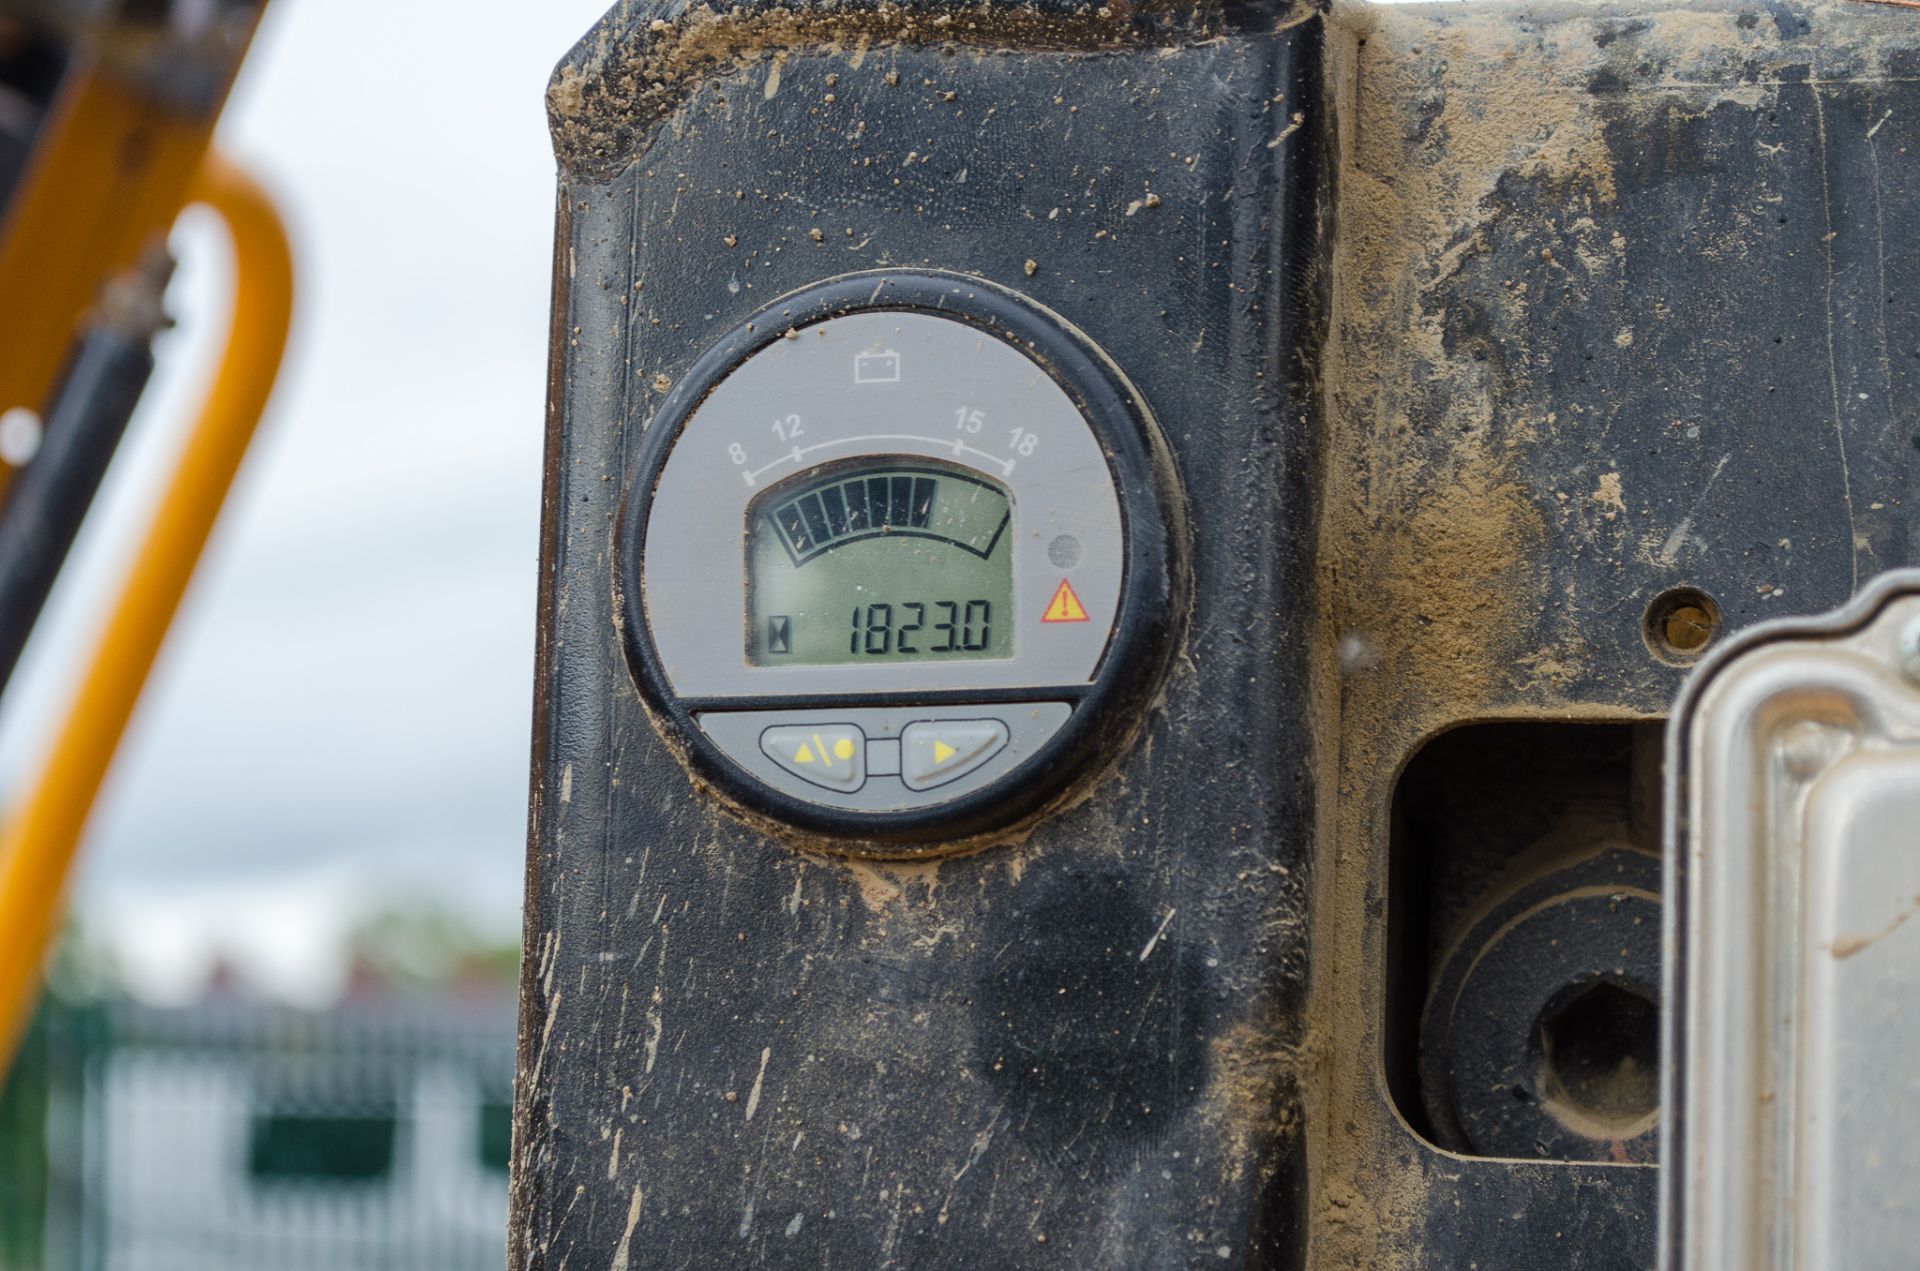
(238, 1135)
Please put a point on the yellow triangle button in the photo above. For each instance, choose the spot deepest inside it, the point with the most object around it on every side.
(1065, 606)
(832, 756)
(936, 751)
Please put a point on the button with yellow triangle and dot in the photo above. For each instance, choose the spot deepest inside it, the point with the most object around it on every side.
(934, 753)
(833, 756)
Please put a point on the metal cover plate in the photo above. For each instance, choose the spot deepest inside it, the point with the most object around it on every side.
(1792, 1134)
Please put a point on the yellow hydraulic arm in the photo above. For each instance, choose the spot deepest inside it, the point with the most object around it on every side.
(39, 840)
(106, 179)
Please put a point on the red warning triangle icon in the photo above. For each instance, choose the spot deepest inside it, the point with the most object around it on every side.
(1066, 606)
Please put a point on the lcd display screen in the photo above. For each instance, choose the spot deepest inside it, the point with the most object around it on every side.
(882, 559)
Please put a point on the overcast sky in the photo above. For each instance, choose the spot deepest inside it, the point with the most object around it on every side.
(342, 712)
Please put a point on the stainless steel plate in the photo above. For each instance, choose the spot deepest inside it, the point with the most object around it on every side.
(1792, 1110)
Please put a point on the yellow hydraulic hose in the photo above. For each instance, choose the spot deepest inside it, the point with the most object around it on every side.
(38, 843)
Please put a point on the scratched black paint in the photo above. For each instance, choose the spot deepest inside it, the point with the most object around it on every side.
(736, 1054)
(1095, 1044)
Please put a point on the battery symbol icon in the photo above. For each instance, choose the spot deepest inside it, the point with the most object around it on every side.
(876, 368)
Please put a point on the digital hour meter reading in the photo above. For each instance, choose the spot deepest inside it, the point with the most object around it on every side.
(896, 559)
(880, 558)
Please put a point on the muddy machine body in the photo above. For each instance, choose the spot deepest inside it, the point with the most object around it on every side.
(1300, 456)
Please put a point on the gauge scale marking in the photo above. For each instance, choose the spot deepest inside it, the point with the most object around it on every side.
(844, 539)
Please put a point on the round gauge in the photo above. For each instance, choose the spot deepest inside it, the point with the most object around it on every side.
(896, 561)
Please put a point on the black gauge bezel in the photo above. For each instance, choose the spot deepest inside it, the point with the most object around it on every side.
(1130, 671)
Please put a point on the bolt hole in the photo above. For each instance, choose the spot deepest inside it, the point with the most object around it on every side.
(1681, 623)
(1598, 1055)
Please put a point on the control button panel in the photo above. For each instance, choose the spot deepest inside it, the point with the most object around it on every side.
(832, 756)
(880, 759)
(934, 753)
